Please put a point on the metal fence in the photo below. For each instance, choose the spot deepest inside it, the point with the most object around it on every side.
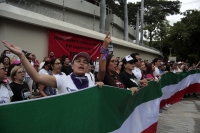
(34, 7)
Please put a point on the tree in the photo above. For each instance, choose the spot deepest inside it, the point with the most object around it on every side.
(155, 13)
(184, 36)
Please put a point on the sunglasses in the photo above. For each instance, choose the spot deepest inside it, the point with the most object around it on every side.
(114, 61)
(131, 62)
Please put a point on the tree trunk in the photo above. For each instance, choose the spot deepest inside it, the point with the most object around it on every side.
(102, 16)
(150, 38)
(137, 28)
(125, 21)
(142, 22)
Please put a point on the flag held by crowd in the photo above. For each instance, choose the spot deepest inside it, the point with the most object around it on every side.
(95, 110)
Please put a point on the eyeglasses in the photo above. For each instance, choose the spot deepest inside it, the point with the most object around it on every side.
(113, 61)
(58, 63)
(21, 72)
(131, 62)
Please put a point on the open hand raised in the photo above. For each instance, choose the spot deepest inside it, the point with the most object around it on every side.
(14, 49)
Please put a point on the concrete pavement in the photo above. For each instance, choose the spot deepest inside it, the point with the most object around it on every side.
(181, 117)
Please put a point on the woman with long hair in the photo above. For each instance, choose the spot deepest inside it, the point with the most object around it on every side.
(20, 88)
(149, 72)
(5, 91)
(107, 67)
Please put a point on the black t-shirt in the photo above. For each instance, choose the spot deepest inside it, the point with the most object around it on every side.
(66, 69)
(129, 80)
(20, 91)
(116, 80)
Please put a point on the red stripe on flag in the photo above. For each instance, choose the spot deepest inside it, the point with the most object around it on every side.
(151, 129)
(180, 94)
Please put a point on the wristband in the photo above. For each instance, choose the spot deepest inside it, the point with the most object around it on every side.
(104, 52)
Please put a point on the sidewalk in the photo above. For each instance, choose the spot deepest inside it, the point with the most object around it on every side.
(181, 117)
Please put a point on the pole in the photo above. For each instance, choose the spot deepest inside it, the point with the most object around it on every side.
(142, 22)
(137, 28)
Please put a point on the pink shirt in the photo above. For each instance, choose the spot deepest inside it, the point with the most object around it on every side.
(151, 76)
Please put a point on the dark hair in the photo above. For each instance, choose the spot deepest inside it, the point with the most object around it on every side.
(155, 60)
(6, 57)
(108, 77)
(46, 63)
(52, 62)
(133, 55)
(10, 68)
(149, 69)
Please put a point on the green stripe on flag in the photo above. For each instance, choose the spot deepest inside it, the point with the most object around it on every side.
(91, 110)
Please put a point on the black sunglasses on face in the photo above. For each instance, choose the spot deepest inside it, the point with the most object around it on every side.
(113, 61)
(131, 62)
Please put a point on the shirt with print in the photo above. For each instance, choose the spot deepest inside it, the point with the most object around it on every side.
(20, 91)
(5, 93)
(129, 80)
(117, 82)
(66, 85)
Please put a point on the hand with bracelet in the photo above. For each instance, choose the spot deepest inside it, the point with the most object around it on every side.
(104, 48)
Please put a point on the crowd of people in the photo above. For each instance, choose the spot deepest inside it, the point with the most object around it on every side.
(55, 75)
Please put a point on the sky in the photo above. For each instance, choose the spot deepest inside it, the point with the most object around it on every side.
(186, 5)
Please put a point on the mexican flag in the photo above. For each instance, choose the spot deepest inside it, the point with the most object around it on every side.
(95, 110)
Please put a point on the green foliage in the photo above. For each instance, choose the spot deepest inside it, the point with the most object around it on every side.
(155, 12)
(184, 36)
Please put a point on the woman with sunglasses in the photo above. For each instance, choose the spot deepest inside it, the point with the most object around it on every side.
(19, 87)
(126, 75)
(65, 84)
(107, 67)
(5, 91)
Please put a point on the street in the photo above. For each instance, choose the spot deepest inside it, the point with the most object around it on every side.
(181, 117)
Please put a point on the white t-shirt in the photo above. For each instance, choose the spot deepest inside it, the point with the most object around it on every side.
(96, 64)
(156, 72)
(137, 72)
(43, 71)
(66, 85)
(5, 94)
(41, 65)
(90, 76)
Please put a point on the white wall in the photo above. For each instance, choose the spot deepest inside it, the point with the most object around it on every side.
(33, 39)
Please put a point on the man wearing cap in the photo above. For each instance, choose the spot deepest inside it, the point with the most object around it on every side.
(179, 67)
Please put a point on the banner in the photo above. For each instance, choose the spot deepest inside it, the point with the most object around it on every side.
(63, 43)
(95, 110)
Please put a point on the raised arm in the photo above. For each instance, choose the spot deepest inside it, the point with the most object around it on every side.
(102, 63)
(46, 80)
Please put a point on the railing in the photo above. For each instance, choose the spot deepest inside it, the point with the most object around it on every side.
(61, 16)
